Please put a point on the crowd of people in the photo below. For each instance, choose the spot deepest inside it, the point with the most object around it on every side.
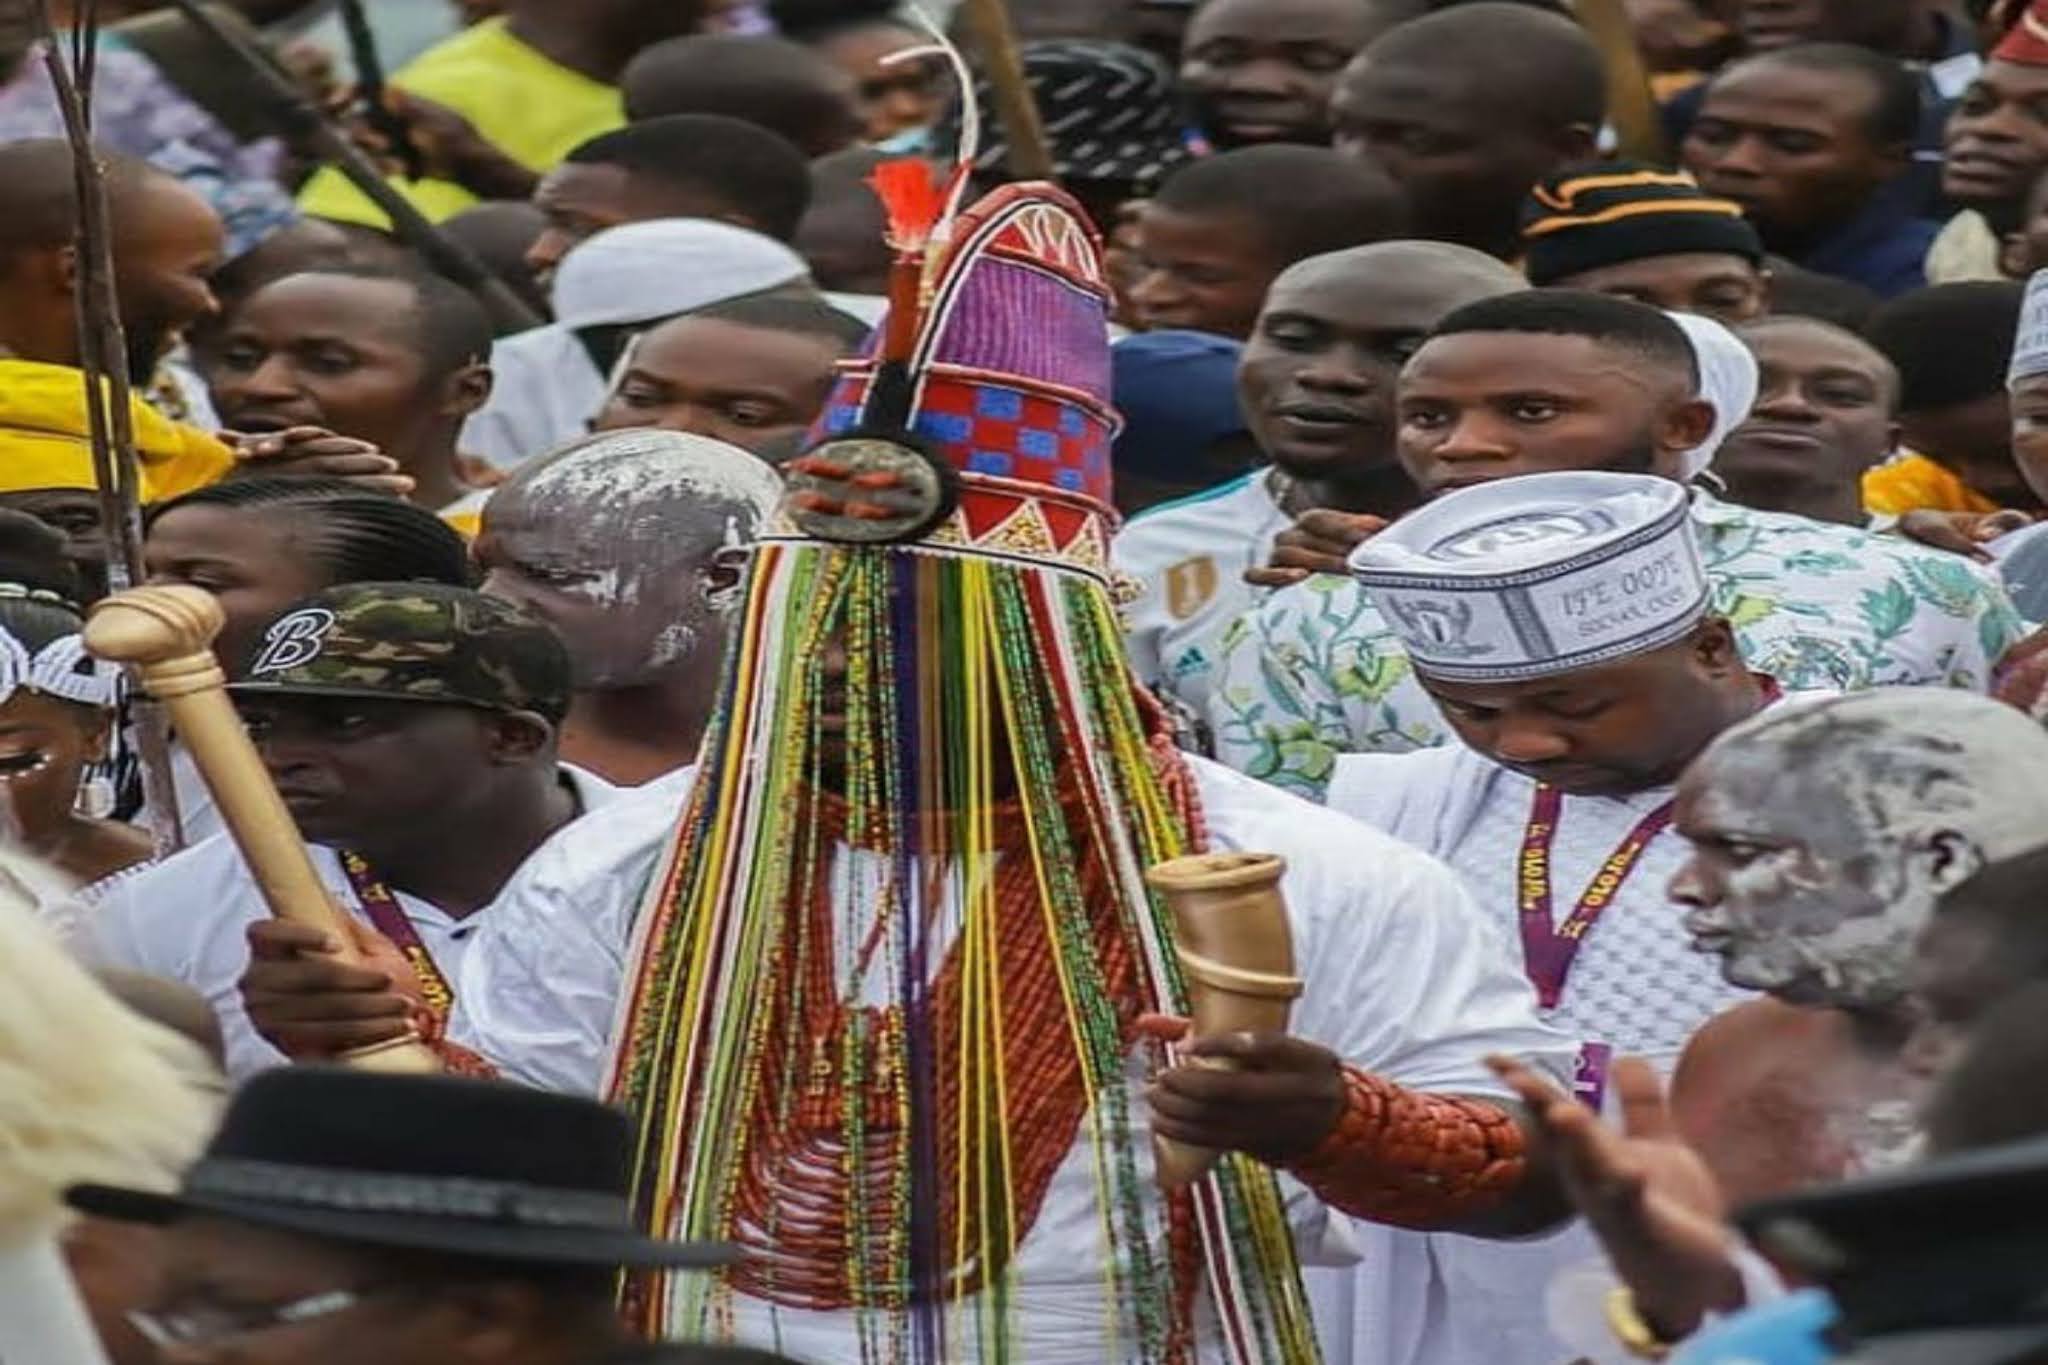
(1376, 694)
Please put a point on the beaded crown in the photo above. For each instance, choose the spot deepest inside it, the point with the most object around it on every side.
(1000, 377)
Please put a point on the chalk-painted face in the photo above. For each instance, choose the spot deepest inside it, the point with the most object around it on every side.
(1812, 895)
(633, 556)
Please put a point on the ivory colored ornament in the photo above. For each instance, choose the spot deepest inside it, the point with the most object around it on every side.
(1236, 952)
(167, 634)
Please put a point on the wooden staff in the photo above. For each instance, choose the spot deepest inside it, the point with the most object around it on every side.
(1030, 152)
(166, 635)
(1631, 107)
(103, 358)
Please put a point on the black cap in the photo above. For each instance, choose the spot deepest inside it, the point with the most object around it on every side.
(1936, 1257)
(433, 1163)
(1604, 213)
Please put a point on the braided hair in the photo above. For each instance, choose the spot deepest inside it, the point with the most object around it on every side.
(354, 536)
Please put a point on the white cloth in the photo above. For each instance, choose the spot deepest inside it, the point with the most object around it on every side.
(1401, 977)
(1545, 574)
(545, 386)
(1189, 556)
(1636, 985)
(1729, 378)
(186, 919)
(2030, 340)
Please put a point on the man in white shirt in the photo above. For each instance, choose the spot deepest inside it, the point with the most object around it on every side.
(411, 730)
(1316, 382)
(1562, 622)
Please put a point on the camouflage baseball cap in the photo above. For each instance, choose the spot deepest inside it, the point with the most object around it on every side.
(412, 642)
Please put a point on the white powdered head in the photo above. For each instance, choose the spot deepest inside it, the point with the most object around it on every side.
(1538, 575)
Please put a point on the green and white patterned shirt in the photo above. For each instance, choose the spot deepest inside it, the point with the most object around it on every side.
(1314, 670)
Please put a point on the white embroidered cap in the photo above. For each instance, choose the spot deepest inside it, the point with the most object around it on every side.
(2030, 342)
(1542, 574)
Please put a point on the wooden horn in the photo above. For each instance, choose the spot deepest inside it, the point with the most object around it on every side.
(1236, 952)
(166, 635)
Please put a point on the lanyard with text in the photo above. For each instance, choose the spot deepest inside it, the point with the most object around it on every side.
(389, 919)
(1547, 950)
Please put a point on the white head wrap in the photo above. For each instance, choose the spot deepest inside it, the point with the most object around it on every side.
(2030, 343)
(547, 387)
(60, 668)
(640, 271)
(1728, 380)
(1538, 575)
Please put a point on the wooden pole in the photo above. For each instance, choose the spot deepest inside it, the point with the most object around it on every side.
(166, 635)
(1631, 107)
(103, 357)
(1030, 152)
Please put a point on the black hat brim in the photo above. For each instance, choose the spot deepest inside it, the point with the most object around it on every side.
(1955, 1346)
(595, 1247)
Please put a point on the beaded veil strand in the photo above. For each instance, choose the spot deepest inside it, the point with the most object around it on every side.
(885, 986)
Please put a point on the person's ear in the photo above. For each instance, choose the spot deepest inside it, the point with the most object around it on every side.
(96, 732)
(1686, 425)
(468, 389)
(2012, 256)
(1577, 142)
(61, 273)
(1948, 858)
(1715, 651)
(519, 737)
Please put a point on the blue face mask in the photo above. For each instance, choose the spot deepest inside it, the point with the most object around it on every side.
(1786, 1332)
(908, 142)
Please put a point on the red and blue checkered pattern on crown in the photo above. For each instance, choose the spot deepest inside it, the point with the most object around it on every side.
(1012, 363)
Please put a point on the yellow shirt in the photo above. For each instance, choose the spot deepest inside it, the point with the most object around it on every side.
(46, 441)
(1912, 482)
(533, 109)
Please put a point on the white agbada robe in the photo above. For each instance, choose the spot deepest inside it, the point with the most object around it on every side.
(1401, 978)
(1635, 985)
(187, 920)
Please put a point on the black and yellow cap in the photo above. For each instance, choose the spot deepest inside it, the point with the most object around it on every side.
(1607, 212)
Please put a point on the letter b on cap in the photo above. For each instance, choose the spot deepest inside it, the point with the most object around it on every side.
(294, 641)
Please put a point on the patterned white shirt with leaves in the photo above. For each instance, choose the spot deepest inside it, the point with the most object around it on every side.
(1314, 671)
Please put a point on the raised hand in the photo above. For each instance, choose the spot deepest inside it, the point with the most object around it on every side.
(1319, 542)
(1647, 1195)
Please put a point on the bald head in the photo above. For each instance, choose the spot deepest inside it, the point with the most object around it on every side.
(629, 543)
(1469, 107)
(167, 243)
(1438, 276)
(1825, 832)
(1316, 382)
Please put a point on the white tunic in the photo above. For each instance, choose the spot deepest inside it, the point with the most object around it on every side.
(1401, 977)
(1635, 985)
(1190, 555)
(187, 919)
